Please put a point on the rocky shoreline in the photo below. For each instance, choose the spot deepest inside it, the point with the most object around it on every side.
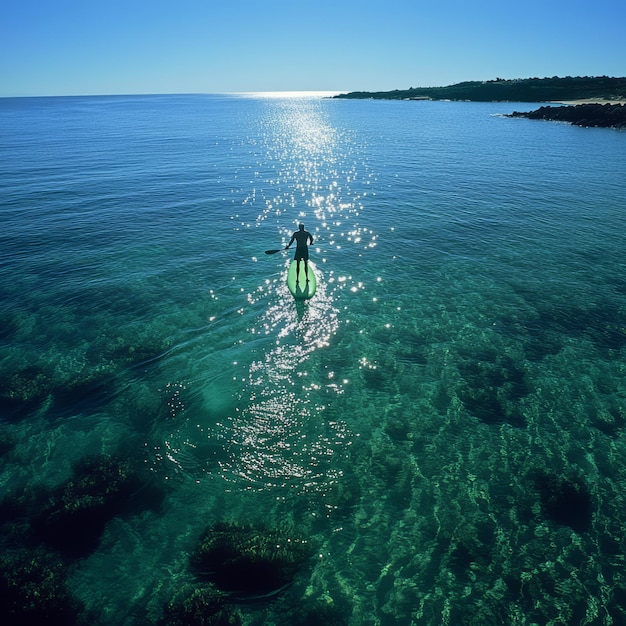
(589, 115)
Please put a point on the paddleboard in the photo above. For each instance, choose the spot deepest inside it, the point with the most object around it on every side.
(298, 286)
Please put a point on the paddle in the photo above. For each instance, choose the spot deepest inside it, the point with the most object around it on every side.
(275, 251)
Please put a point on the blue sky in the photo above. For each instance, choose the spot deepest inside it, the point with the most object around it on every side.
(76, 47)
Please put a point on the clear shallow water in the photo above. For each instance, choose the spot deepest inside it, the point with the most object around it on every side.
(444, 421)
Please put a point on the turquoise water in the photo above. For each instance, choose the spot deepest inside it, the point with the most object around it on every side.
(443, 423)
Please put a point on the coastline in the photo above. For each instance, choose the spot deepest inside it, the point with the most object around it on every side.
(589, 101)
(589, 90)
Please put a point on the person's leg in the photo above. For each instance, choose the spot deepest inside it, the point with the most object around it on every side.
(306, 269)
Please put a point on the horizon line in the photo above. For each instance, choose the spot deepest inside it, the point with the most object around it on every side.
(270, 93)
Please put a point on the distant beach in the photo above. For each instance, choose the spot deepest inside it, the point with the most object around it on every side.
(590, 101)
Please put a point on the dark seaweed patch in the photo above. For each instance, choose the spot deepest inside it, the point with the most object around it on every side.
(610, 422)
(564, 501)
(375, 379)
(247, 561)
(396, 473)
(413, 349)
(78, 510)
(545, 333)
(604, 324)
(83, 394)
(34, 590)
(22, 391)
(467, 555)
(493, 390)
(474, 549)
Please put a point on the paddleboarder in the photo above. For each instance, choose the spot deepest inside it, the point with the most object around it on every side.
(303, 239)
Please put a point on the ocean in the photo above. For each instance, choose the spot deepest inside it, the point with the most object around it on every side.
(436, 437)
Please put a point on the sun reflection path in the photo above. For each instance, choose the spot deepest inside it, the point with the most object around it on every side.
(310, 170)
(281, 437)
(306, 165)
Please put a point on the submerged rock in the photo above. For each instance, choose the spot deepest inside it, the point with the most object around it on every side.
(249, 561)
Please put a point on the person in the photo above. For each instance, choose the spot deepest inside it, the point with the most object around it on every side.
(303, 239)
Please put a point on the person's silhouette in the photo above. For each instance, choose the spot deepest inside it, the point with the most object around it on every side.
(303, 239)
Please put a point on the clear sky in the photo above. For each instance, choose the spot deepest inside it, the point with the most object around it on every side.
(75, 47)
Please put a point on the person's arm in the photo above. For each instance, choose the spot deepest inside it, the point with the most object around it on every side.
(311, 239)
(290, 241)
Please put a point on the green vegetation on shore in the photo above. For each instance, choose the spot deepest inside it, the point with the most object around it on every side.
(516, 90)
